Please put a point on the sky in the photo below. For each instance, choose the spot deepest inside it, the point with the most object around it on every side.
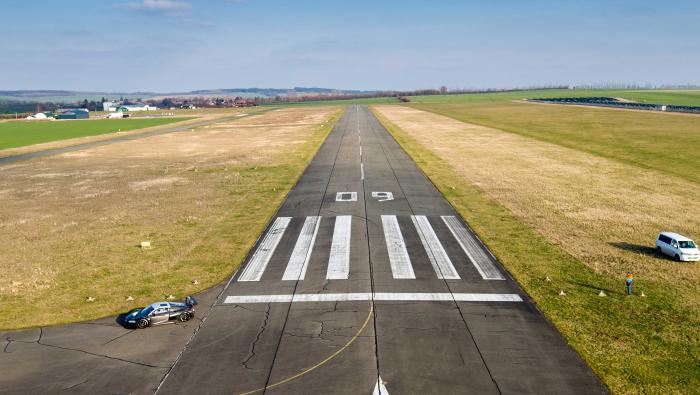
(179, 45)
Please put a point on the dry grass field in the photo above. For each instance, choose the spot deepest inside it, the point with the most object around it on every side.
(583, 221)
(70, 225)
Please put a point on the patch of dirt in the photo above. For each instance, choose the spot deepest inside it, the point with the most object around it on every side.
(160, 182)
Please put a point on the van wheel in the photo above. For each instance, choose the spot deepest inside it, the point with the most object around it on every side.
(678, 259)
(658, 250)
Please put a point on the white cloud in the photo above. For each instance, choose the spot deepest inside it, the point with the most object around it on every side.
(158, 5)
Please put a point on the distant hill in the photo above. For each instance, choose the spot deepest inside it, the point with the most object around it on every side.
(67, 96)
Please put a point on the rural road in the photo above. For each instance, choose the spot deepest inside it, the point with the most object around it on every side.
(366, 281)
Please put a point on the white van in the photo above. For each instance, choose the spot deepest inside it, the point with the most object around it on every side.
(677, 246)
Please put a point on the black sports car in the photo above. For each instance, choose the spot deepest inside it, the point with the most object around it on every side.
(161, 313)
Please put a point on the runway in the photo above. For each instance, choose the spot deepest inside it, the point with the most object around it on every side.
(367, 281)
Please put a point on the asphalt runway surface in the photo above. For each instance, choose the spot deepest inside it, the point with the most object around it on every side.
(365, 281)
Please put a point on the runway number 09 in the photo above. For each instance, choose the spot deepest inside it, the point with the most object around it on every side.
(383, 196)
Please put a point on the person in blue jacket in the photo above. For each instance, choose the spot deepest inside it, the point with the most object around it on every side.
(629, 281)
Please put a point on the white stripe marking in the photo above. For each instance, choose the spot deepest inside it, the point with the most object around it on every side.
(479, 258)
(299, 261)
(380, 296)
(339, 261)
(362, 170)
(436, 253)
(360, 151)
(398, 255)
(380, 388)
(257, 264)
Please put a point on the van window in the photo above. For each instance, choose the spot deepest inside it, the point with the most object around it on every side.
(686, 244)
(665, 239)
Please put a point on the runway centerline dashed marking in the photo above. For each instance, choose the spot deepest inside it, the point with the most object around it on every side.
(255, 268)
(299, 261)
(378, 296)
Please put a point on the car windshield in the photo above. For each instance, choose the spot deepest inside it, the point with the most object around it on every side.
(686, 244)
(147, 310)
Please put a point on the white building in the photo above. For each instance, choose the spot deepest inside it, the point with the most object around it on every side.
(39, 115)
(136, 107)
(109, 106)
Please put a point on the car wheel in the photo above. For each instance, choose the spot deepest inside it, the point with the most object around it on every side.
(142, 323)
(184, 317)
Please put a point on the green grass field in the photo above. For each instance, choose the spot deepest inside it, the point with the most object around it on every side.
(23, 133)
(647, 139)
(676, 97)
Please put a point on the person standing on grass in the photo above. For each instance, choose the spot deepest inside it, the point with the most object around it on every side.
(630, 279)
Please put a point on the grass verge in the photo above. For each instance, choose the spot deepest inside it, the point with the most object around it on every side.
(635, 345)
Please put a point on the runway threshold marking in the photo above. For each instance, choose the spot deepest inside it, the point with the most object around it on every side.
(436, 253)
(378, 296)
(299, 261)
(471, 247)
(339, 259)
(399, 260)
(255, 268)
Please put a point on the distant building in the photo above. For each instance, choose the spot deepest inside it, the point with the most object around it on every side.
(136, 107)
(41, 115)
(77, 113)
(109, 106)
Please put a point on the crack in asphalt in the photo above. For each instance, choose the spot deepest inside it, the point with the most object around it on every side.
(247, 308)
(325, 285)
(251, 355)
(118, 337)
(76, 385)
(39, 342)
